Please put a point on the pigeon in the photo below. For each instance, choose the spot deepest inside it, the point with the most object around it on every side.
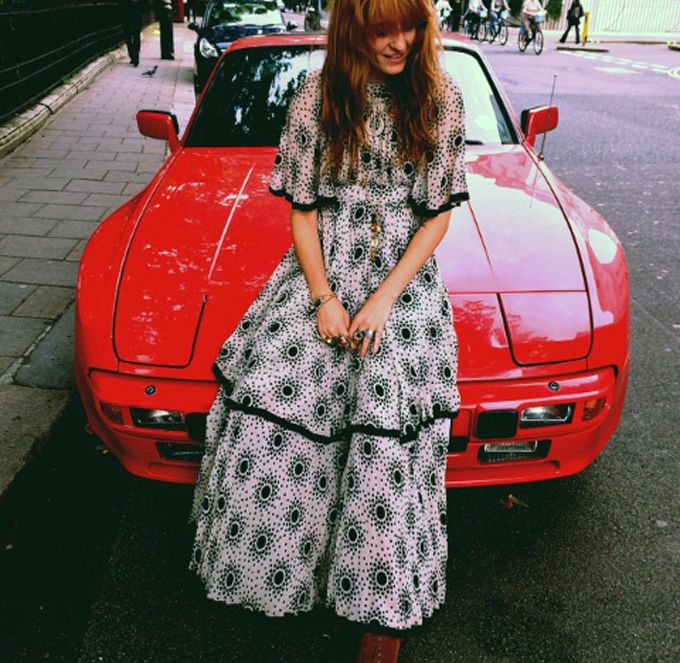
(150, 72)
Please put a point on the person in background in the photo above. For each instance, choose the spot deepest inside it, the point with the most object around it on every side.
(131, 19)
(495, 9)
(529, 10)
(456, 13)
(473, 16)
(574, 16)
(443, 9)
(312, 19)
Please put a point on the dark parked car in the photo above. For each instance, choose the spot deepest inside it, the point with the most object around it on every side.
(225, 21)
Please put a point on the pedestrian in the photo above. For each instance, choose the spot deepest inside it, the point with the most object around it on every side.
(312, 19)
(574, 16)
(322, 480)
(163, 9)
(193, 7)
(131, 18)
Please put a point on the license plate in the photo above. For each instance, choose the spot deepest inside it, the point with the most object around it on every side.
(511, 447)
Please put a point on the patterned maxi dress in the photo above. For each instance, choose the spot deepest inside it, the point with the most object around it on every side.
(322, 481)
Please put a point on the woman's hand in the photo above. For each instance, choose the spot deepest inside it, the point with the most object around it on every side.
(372, 317)
(333, 320)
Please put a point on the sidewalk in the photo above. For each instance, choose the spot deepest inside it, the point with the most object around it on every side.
(55, 189)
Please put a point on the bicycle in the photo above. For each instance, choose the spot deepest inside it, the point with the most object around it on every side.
(472, 27)
(500, 31)
(538, 40)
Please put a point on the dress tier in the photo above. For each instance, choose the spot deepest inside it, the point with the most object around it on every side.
(322, 480)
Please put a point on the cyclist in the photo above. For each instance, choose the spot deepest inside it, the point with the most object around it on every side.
(473, 16)
(495, 9)
(443, 9)
(530, 8)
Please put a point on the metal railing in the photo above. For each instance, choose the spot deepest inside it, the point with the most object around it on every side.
(42, 42)
(632, 16)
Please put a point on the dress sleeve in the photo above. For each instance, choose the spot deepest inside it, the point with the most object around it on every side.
(296, 166)
(440, 183)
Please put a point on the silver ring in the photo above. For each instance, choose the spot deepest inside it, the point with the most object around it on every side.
(370, 334)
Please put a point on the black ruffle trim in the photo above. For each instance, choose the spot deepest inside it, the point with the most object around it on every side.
(321, 201)
(455, 200)
(366, 429)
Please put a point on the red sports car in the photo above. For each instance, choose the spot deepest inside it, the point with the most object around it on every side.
(537, 279)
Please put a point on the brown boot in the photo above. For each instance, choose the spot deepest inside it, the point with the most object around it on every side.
(378, 648)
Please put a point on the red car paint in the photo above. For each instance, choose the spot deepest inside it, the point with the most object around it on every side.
(538, 283)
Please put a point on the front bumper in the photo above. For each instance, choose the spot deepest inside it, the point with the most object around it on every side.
(564, 448)
(571, 447)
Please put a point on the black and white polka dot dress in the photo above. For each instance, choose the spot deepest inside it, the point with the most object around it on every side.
(322, 481)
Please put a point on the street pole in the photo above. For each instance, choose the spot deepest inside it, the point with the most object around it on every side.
(586, 22)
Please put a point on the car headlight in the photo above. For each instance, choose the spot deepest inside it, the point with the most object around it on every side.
(163, 419)
(546, 415)
(207, 49)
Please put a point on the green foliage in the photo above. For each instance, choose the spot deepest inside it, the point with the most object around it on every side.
(554, 8)
(515, 7)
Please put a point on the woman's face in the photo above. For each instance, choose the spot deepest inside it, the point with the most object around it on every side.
(390, 50)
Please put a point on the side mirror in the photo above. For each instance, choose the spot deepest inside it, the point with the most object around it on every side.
(291, 25)
(159, 124)
(538, 120)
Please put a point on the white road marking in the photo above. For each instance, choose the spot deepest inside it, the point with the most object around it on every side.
(616, 70)
(626, 62)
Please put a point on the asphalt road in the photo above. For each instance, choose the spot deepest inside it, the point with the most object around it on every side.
(93, 561)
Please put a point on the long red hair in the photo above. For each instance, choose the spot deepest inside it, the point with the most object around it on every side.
(349, 60)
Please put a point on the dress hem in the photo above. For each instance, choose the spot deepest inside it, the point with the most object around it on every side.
(320, 603)
(321, 201)
(343, 434)
(455, 200)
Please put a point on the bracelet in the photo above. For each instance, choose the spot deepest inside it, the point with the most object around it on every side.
(319, 301)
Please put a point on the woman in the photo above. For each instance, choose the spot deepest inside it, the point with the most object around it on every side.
(574, 16)
(322, 481)
(530, 9)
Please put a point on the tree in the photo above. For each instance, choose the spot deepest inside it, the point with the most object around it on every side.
(554, 8)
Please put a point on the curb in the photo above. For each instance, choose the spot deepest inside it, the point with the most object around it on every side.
(674, 46)
(589, 49)
(651, 42)
(22, 126)
(31, 415)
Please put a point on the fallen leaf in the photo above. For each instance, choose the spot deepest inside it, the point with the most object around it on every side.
(510, 502)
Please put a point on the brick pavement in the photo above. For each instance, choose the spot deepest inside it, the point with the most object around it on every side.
(59, 185)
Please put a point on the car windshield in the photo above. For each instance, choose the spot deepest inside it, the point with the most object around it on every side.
(242, 13)
(246, 102)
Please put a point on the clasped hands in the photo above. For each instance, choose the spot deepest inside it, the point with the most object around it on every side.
(362, 332)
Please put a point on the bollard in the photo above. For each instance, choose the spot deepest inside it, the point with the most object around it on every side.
(586, 23)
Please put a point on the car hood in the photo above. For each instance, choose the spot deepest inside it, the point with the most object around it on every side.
(210, 235)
